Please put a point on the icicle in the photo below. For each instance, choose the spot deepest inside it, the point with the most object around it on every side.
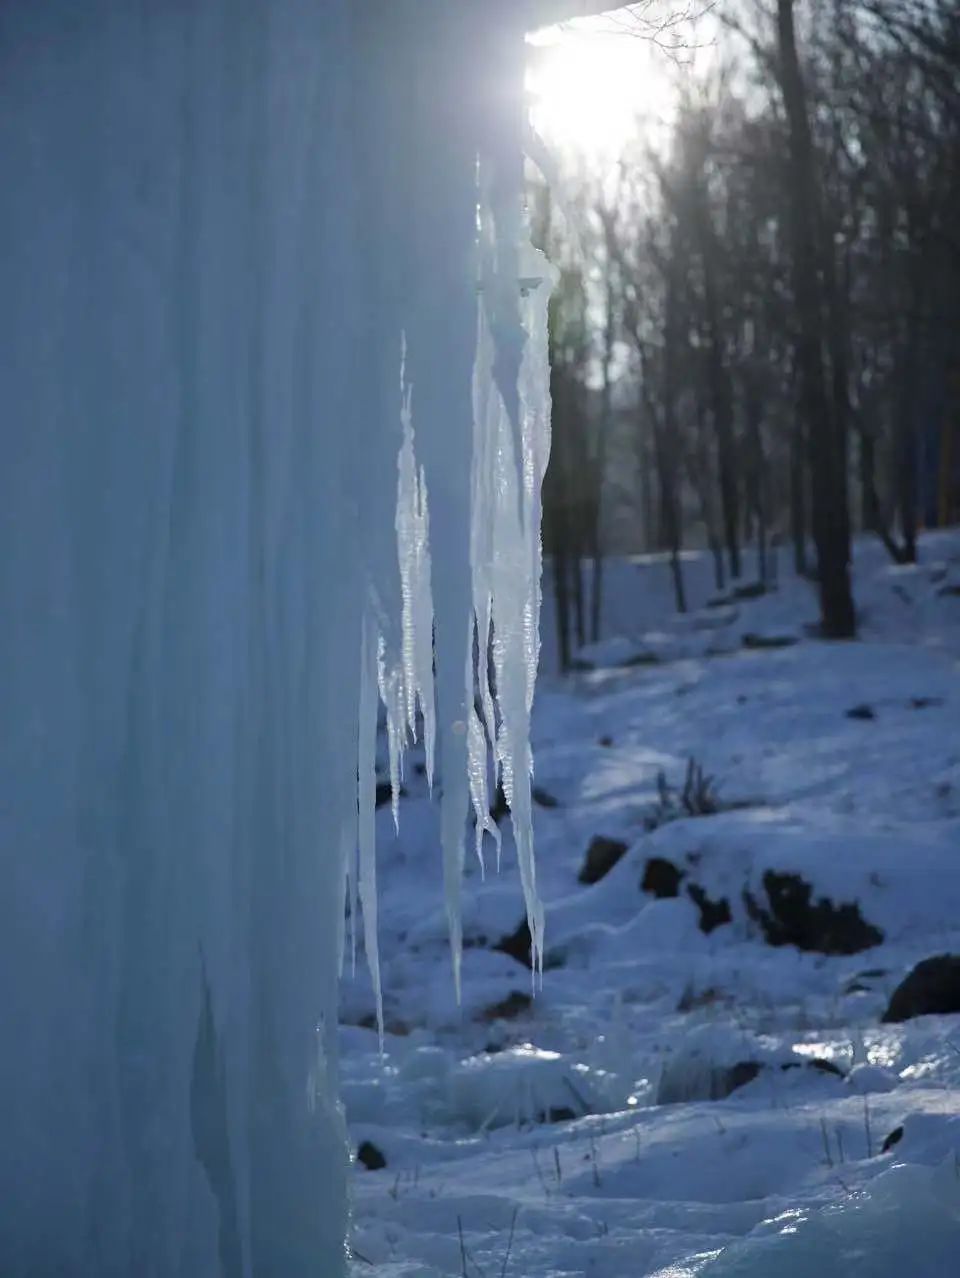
(413, 549)
(477, 765)
(354, 905)
(391, 684)
(481, 559)
(348, 890)
(367, 798)
(502, 191)
(506, 545)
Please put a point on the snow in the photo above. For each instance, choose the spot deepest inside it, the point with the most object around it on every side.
(642, 1017)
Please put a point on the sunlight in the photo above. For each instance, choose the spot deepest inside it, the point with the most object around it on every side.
(593, 89)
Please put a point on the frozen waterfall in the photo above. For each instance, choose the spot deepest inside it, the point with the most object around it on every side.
(274, 420)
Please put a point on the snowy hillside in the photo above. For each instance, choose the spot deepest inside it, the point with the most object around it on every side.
(705, 1083)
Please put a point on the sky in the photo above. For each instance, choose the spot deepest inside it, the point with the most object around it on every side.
(593, 84)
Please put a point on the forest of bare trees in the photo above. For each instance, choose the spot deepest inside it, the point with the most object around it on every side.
(770, 298)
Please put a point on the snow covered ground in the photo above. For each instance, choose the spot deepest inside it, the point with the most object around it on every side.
(698, 1088)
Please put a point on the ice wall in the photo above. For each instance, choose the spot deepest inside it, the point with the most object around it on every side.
(220, 223)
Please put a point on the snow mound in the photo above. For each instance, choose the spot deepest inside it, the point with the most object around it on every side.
(906, 1222)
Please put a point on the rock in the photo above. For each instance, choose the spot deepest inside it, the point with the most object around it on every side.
(823, 1066)
(602, 855)
(370, 1156)
(517, 944)
(713, 914)
(641, 659)
(819, 1065)
(605, 741)
(752, 590)
(558, 1114)
(543, 798)
(948, 590)
(690, 1000)
(398, 1028)
(685, 1081)
(862, 982)
(924, 703)
(861, 712)
(508, 1008)
(385, 793)
(500, 807)
(756, 642)
(794, 918)
(661, 878)
(933, 987)
(895, 1137)
(728, 1080)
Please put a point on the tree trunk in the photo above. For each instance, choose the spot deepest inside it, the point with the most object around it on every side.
(596, 593)
(721, 396)
(669, 443)
(561, 603)
(798, 498)
(828, 489)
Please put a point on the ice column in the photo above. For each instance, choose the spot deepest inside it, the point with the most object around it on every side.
(217, 223)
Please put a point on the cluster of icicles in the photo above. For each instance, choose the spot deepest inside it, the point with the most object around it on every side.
(510, 451)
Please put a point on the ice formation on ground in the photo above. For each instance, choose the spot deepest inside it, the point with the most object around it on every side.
(220, 225)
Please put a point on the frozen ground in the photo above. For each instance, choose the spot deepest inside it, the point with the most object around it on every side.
(576, 1134)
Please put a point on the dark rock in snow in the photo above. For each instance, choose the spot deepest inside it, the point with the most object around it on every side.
(641, 659)
(818, 1063)
(370, 1156)
(861, 712)
(602, 855)
(691, 999)
(746, 1071)
(924, 703)
(895, 1137)
(500, 807)
(728, 1080)
(792, 917)
(543, 798)
(932, 987)
(517, 944)
(398, 1028)
(508, 1008)
(680, 1085)
(385, 793)
(605, 741)
(661, 878)
(713, 914)
(756, 642)
(558, 1114)
(751, 590)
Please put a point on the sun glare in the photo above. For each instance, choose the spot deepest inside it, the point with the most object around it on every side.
(592, 90)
